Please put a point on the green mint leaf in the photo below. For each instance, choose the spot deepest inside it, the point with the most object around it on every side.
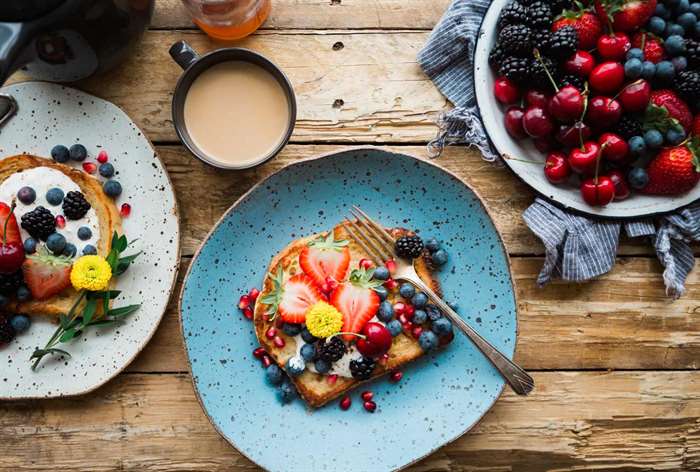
(122, 312)
(89, 311)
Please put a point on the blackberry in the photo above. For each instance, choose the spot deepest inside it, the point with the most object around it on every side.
(7, 332)
(496, 57)
(628, 126)
(39, 223)
(562, 44)
(9, 283)
(539, 15)
(574, 80)
(692, 52)
(516, 69)
(331, 350)
(513, 14)
(516, 40)
(537, 72)
(75, 206)
(558, 6)
(688, 85)
(362, 368)
(540, 37)
(409, 247)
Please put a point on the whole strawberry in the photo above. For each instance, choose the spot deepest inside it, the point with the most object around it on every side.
(676, 107)
(696, 126)
(675, 170)
(587, 26)
(626, 15)
(653, 47)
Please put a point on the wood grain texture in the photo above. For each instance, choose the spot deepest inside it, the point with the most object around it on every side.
(325, 14)
(624, 421)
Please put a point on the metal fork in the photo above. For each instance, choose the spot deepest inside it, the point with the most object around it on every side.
(379, 245)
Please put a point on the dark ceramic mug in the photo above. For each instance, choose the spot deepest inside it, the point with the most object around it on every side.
(193, 64)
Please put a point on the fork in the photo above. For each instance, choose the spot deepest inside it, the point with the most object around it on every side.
(379, 245)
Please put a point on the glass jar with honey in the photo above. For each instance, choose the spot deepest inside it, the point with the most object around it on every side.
(228, 20)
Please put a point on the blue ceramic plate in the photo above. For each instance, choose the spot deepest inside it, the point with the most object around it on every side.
(440, 397)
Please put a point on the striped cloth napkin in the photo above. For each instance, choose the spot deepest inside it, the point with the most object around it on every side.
(577, 248)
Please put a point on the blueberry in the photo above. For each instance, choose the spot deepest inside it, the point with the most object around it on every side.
(654, 139)
(407, 290)
(394, 327)
(20, 323)
(322, 366)
(695, 8)
(56, 242)
(307, 336)
(84, 233)
(419, 317)
(682, 7)
(273, 374)
(112, 188)
(308, 352)
(382, 292)
(284, 395)
(648, 70)
(442, 326)
(428, 341)
(30, 245)
(60, 153)
(419, 300)
(637, 146)
(54, 196)
(23, 293)
(675, 136)
(432, 245)
(291, 329)
(70, 250)
(433, 312)
(673, 29)
(680, 63)
(439, 257)
(633, 68)
(26, 195)
(295, 365)
(381, 273)
(453, 305)
(638, 178)
(78, 152)
(385, 312)
(675, 45)
(89, 250)
(662, 12)
(4, 300)
(687, 20)
(106, 170)
(665, 71)
(656, 25)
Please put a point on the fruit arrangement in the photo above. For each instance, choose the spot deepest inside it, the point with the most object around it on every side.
(607, 90)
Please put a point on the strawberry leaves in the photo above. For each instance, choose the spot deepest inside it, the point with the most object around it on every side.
(694, 147)
(656, 117)
(329, 243)
(274, 298)
(363, 278)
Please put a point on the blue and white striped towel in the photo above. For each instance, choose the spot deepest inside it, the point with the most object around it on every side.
(577, 248)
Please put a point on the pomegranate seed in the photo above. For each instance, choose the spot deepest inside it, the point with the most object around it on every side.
(271, 333)
(259, 352)
(253, 294)
(279, 342)
(243, 302)
(125, 209)
(279, 322)
(416, 332)
(345, 402)
(367, 395)
(325, 288)
(391, 265)
(396, 376)
(365, 264)
(267, 362)
(391, 284)
(409, 310)
(102, 157)
(332, 378)
(403, 319)
(407, 327)
(399, 308)
(61, 221)
(332, 283)
(370, 406)
(385, 357)
(90, 167)
(248, 313)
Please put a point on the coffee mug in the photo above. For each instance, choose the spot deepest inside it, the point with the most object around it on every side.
(194, 65)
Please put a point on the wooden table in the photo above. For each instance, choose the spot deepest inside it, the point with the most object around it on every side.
(614, 360)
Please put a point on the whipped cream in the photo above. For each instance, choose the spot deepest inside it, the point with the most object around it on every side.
(41, 179)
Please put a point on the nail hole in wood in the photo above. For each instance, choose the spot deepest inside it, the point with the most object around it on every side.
(335, 2)
(338, 46)
(338, 103)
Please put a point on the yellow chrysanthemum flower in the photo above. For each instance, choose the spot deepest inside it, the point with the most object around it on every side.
(323, 320)
(91, 273)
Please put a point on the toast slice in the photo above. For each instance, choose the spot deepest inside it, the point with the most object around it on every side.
(313, 387)
(107, 214)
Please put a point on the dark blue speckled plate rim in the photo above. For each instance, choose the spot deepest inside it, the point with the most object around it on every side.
(243, 197)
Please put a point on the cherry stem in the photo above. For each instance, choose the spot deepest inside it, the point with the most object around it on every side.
(506, 156)
(538, 56)
(341, 333)
(597, 163)
(4, 227)
(636, 82)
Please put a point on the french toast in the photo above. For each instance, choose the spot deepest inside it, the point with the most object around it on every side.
(315, 388)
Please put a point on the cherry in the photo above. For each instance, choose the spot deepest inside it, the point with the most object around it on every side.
(545, 144)
(603, 112)
(537, 122)
(556, 168)
(622, 190)
(537, 98)
(614, 46)
(377, 340)
(635, 97)
(598, 191)
(614, 148)
(581, 64)
(567, 105)
(607, 77)
(583, 160)
(514, 122)
(573, 135)
(506, 91)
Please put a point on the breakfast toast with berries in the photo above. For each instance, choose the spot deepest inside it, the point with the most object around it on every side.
(47, 276)
(330, 274)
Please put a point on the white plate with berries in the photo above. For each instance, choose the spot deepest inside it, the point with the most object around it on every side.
(596, 121)
(75, 171)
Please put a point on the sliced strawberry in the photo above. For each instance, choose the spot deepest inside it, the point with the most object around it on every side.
(11, 247)
(13, 235)
(293, 298)
(357, 301)
(324, 258)
(46, 275)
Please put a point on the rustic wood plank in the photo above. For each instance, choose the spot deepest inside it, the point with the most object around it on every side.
(622, 321)
(631, 421)
(325, 14)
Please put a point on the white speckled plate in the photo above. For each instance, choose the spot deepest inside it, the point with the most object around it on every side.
(52, 114)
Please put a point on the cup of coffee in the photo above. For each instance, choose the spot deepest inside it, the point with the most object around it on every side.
(232, 108)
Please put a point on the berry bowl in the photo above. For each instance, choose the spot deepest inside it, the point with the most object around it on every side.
(529, 164)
